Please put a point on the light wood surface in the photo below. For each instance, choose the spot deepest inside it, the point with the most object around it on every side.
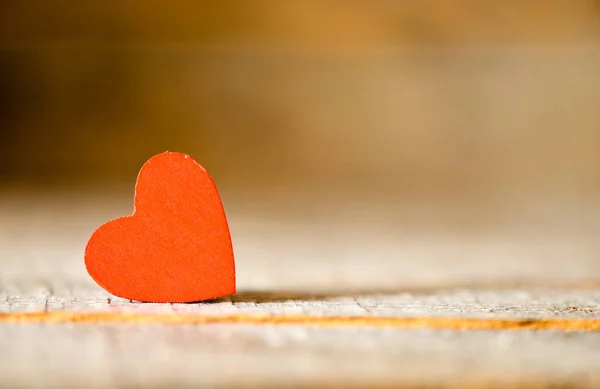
(320, 269)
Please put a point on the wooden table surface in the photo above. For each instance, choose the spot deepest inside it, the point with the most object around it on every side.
(324, 300)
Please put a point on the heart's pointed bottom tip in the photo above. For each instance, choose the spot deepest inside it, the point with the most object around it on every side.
(196, 299)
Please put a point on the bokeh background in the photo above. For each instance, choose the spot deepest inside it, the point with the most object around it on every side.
(485, 109)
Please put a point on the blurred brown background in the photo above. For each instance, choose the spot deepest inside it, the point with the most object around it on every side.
(493, 102)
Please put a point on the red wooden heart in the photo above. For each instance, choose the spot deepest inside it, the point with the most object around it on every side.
(175, 247)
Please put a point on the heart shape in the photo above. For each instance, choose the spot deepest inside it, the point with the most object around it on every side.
(175, 247)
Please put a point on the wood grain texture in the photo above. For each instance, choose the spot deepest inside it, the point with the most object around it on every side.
(300, 268)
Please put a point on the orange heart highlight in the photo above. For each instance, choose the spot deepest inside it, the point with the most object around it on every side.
(175, 247)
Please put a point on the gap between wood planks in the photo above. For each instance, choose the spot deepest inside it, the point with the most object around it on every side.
(439, 323)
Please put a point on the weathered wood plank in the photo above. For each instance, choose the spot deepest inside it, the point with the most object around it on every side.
(156, 356)
(289, 269)
(444, 302)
